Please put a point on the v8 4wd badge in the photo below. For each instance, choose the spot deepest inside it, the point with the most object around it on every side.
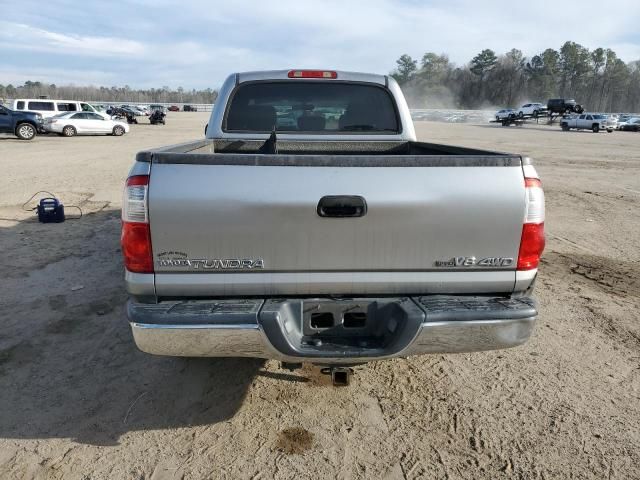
(461, 262)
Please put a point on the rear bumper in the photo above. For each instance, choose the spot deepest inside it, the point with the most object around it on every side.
(280, 329)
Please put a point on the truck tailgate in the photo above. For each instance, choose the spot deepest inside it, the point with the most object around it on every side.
(225, 229)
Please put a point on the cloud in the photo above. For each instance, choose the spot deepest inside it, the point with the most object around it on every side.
(20, 36)
(58, 76)
(198, 43)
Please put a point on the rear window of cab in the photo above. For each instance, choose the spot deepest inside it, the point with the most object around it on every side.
(310, 106)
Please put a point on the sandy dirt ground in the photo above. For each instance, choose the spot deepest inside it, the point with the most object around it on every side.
(78, 401)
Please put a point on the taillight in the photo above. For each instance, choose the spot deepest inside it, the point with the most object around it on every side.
(532, 240)
(136, 235)
(312, 74)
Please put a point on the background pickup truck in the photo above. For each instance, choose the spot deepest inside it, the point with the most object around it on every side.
(310, 225)
(587, 121)
(24, 125)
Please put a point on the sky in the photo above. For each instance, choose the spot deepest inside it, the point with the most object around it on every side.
(196, 44)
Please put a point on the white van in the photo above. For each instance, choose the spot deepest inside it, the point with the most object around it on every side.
(49, 108)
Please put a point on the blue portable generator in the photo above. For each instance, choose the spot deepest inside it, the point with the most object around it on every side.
(50, 210)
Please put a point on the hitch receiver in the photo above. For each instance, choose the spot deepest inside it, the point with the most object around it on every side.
(340, 376)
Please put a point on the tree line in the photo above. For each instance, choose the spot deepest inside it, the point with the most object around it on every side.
(108, 94)
(596, 79)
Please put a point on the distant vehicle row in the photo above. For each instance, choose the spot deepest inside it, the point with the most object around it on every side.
(598, 121)
(26, 125)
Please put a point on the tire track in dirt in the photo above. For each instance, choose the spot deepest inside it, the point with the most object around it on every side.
(615, 289)
(611, 276)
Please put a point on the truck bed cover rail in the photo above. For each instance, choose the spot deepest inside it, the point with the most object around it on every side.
(330, 154)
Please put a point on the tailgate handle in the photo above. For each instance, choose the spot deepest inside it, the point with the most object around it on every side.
(342, 206)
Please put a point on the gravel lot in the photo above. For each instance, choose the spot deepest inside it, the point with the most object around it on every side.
(78, 401)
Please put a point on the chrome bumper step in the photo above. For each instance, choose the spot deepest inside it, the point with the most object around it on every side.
(325, 330)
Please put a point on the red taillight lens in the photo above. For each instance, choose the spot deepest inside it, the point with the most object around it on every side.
(532, 240)
(136, 247)
(136, 235)
(531, 246)
(312, 74)
(138, 180)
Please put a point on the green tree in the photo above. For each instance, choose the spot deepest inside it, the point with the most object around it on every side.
(483, 63)
(574, 66)
(406, 68)
(434, 68)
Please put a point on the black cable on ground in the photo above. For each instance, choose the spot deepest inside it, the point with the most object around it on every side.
(32, 197)
(79, 209)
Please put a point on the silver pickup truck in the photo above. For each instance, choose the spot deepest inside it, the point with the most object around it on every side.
(586, 121)
(310, 225)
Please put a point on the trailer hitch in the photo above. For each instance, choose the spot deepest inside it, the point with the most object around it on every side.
(340, 376)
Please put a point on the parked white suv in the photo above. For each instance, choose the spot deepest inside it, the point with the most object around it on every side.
(531, 109)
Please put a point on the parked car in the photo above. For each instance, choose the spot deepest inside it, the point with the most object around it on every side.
(506, 113)
(24, 125)
(84, 123)
(137, 111)
(49, 108)
(189, 108)
(586, 121)
(124, 112)
(292, 263)
(534, 109)
(631, 125)
(623, 119)
(562, 106)
(174, 108)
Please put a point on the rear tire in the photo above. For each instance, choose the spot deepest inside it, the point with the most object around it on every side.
(118, 131)
(26, 131)
(69, 131)
(565, 127)
(595, 128)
